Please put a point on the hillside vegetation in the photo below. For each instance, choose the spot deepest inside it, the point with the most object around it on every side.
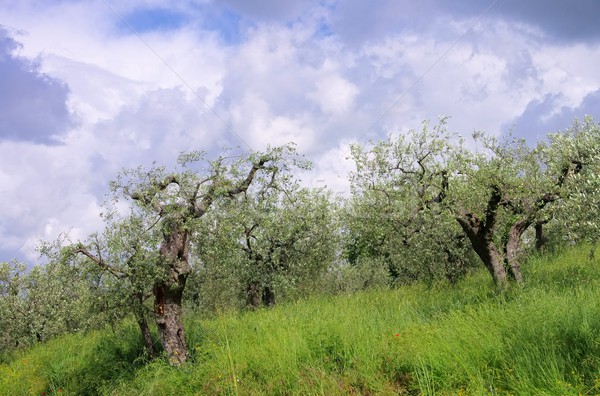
(227, 276)
(466, 338)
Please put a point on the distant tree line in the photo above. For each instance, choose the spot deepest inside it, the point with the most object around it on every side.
(240, 232)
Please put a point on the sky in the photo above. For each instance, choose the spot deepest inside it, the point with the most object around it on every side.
(89, 87)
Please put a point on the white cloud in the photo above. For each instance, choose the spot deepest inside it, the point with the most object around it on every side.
(331, 170)
(333, 93)
(569, 70)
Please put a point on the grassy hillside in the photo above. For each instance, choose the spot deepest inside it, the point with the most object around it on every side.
(543, 338)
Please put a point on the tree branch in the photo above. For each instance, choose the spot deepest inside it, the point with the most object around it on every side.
(146, 197)
(101, 263)
(492, 207)
(243, 186)
(202, 206)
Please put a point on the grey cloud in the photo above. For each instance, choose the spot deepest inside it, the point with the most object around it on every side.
(32, 105)
(544, 116)
(561, 20)
(270, 9)
(519, 69)
(358, 21)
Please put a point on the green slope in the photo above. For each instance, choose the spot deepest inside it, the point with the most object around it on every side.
(543, 338)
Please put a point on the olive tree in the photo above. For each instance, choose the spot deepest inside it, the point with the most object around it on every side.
(170, 205)
(125, 259)
(42, 302)
(269, 243)
(577, 218)
(395, 214)
(494, 195)
(285, 245)
(531, 185)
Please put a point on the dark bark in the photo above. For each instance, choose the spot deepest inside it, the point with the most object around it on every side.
(268, 297)
(485, 248)
(169, 322)
(540, 238)
(258, 295)
(253, 295)
(481, 236)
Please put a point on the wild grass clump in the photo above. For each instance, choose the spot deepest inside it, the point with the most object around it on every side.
(79, 364)
(543, 338)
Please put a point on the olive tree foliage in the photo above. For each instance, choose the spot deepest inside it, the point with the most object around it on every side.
(149, 245)
(577, 218)
(43, 302)
(265, 245)
(394, 214)
(124, 258)
(426, 183)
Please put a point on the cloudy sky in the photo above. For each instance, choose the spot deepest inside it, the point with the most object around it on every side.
(88, 87)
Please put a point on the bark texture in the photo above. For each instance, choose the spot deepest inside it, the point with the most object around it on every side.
(168, 293)
(147, 336)
(512, 248)
(253, 297)
(481, 235)
(169, 323)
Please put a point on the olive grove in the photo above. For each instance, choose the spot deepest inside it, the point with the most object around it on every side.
(494, 195)
(242, 232)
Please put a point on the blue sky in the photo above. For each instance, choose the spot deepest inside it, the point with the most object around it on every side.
(82, 95)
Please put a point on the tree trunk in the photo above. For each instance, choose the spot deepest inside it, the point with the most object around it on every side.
(482, 243)
(512, 248)
(140, 316)
(147, 336)
(481, 236)
(253, 295)
(540, 238)
(169, 322)
(492, 259)
(257, 295)
(481, 239)
(268, 297)
(168, 293)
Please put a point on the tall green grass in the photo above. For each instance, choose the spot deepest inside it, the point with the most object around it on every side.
(543, 338)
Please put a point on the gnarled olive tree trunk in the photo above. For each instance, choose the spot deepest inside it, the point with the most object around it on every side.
(177, 215)
(526, 215)
(168, 292)
(481, 236)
